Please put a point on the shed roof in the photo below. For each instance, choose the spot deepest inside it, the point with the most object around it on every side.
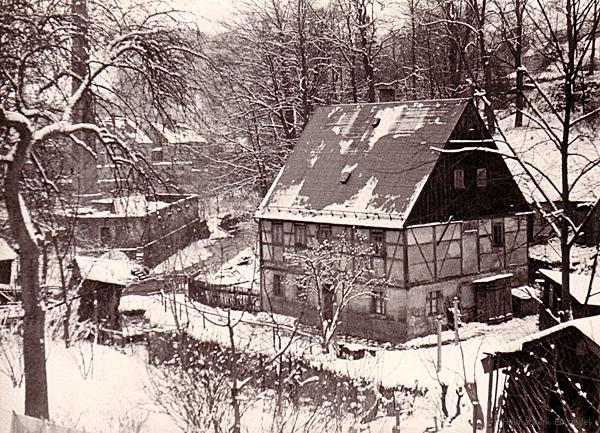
(362, 164)
(104, 270)
(579, 285)
(588, 326)
(6, 252)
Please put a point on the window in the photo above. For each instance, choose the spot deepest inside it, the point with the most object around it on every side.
(120, 232)
(157, 154)
(105, 235)
(301, 293)
(324, 233)
(277, 233)
(378, 302)
(498, 234)
(459, 178)
(299, 235)
(277, 289)
(378, 243)
(482, 179)
(344, 176)
(434, 302)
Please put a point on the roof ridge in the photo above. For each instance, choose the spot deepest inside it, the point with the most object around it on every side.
(349, 104)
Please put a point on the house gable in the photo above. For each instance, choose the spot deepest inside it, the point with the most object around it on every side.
(485, 185)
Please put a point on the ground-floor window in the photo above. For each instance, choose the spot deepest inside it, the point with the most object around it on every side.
(378, 302)
(301, 293)
(277, 288)
(328, 299)
(105, 236)
(434, 302)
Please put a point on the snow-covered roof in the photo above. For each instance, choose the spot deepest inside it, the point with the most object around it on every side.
(128, 130)
(104, 270)
(6, 252)
(241, 270)
(589, 326)
(131, 205)
(179, 133)
(492, 278)
(525, 292)
(542, 157)
(579, 285)
(362, 164)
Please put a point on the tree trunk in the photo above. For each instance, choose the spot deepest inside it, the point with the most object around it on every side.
(235, 400)
(593, 35)
(565, 250)
(518, 65)
(34, 354)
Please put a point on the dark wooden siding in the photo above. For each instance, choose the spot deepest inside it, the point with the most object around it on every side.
(439, 200)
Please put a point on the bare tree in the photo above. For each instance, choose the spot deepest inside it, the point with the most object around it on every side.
(41, 95)
(331, 274)
(563, 30)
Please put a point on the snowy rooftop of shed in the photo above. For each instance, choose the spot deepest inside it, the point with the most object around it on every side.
(104, 270)
(589, 326)
(6, 252)
(362, 164)
(579, 285)
(492, 278)
(179, 133)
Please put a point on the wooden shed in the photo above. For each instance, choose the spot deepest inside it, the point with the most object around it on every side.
(8, 261)
(546, 382)
(99, 283)
(493, 298)
(585, 296)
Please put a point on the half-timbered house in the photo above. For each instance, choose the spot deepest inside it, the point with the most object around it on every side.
(421, 180)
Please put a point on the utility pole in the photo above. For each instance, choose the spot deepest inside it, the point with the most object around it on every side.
(456, 315)
(439, 343)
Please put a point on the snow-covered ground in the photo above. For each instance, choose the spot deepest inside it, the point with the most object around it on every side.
(95, 388)
(411, 367)
(103, 395)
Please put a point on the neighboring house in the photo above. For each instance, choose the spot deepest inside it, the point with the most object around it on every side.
(543, 160)
(99, 283)
(147, 228)
(439, 218)
(172, 152)
(9, 291)
(176, 153)
(546, 382)
(580, 287)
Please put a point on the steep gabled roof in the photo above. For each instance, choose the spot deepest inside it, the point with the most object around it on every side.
(362, 164)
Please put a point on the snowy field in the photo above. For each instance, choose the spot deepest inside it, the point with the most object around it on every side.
(105, 390)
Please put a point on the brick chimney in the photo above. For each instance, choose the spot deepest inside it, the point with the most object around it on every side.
(387, 94)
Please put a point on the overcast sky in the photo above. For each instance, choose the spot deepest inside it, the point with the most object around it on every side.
(208, 12)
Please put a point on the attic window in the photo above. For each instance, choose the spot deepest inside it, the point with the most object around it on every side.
(459, 178)
(375, 123)
(344, 176)
(482, 179)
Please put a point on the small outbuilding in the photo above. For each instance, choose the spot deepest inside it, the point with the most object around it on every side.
(100, 282)
(547, 382)
(493, 298)
(8, 263)
(585, 296)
